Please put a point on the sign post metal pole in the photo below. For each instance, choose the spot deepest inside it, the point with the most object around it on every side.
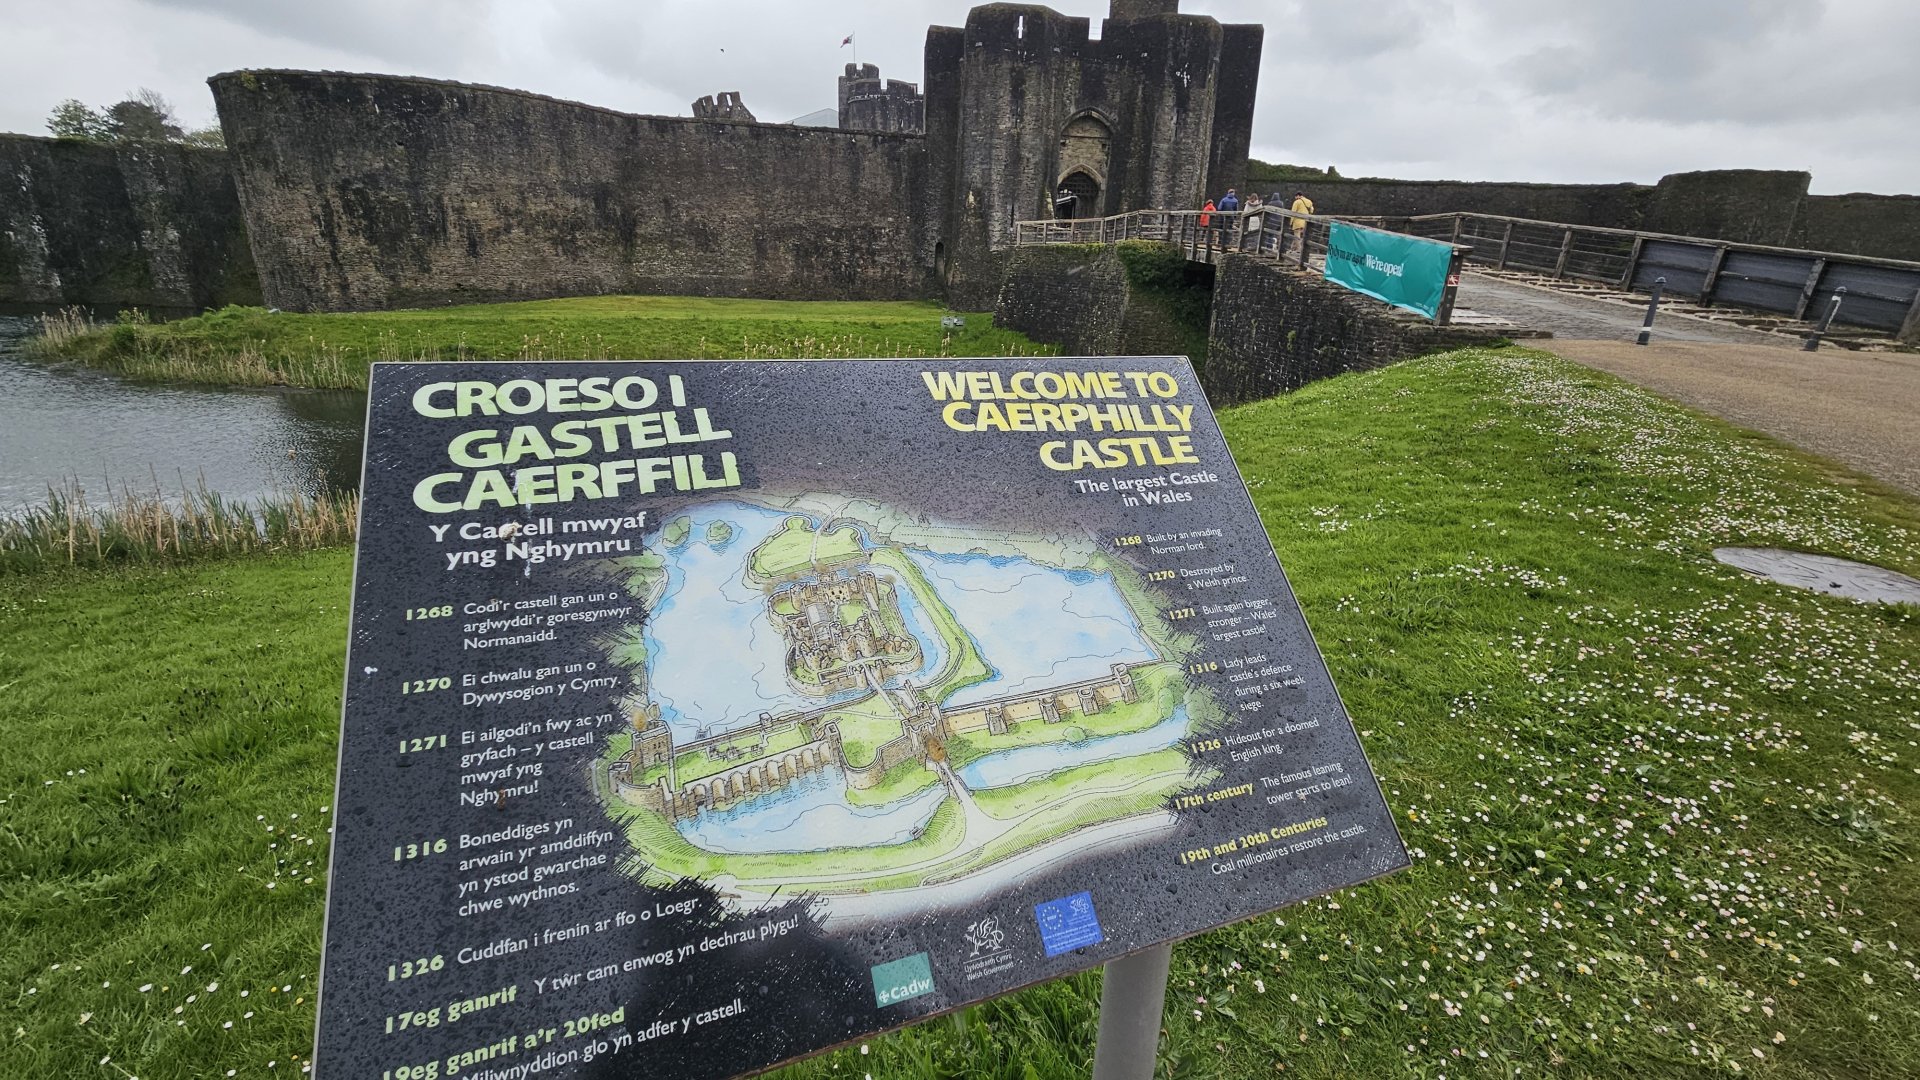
(1133, 994)
(1826, 319)
(1653, 305)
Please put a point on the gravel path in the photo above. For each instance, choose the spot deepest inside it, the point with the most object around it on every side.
(1859, 408)
(1575, 316)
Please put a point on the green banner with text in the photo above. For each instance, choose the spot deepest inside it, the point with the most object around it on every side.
(1405, 271)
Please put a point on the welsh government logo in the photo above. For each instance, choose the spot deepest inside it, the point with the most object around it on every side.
(990, 955)
(986, 936)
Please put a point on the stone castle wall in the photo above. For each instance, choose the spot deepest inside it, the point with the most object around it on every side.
(1749, 206)
(1071, 295)
(367, 192)
(153, 226)
(887, 756)
(1882, 226)
(1277, 329)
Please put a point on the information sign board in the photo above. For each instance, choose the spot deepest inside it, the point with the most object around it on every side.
(704, 715)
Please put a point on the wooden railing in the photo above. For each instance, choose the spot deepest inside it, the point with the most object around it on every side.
(1878, 294)
(1245, 231)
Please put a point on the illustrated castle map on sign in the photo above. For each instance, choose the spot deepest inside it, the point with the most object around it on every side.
(839, 699)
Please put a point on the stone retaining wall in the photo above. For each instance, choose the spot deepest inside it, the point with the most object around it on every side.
(1277, 329)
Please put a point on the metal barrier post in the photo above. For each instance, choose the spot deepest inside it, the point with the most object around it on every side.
(1653, 305)
(1454, 261)
(1133, 995)
(1826, 319)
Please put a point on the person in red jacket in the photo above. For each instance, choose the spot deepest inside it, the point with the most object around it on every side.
(1206, 214)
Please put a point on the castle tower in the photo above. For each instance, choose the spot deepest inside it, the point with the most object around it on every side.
(653, 745)
(1155, 114)
(868, 104)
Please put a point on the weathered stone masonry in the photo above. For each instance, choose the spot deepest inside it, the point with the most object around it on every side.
(1083, 298)
(1276, 329)
(1748, 206)
(368, 192)
(150, 225)
(1021, 101)
(1070, 295)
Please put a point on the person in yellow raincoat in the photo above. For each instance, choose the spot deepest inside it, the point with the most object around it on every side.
(1301, 205)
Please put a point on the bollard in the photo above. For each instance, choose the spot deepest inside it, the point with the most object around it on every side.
(1826, 319)
(1132, 996)
(1454, 262)
(1653, 305)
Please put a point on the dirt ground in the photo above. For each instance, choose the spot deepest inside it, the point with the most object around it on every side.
(1859, 408)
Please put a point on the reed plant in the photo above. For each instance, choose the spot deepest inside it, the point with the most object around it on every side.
(72, 529)
(60, 329)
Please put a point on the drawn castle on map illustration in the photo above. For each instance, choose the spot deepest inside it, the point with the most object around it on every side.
(850, 707)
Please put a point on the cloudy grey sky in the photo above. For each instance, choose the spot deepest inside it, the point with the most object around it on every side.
(1548, 90)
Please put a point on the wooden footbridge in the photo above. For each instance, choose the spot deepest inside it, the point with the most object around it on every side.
(1878, 297)
(1205, 236)
(1268, 232)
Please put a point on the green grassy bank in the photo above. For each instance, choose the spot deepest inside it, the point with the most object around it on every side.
(254, 347)
(1662, 813)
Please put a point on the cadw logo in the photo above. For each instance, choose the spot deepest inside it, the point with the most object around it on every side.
(897, 980)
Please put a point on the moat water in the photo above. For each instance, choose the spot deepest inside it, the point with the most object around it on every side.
(1048, 626)
(61, 425)
(1044, 626)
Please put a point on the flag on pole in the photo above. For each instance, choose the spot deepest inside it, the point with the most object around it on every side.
(846, 41)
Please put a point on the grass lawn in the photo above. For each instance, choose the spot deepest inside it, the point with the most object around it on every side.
(1662, 813)
(902, 780)
(1154, 776)
(255, 347)
(796, 548)
(865, 725)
